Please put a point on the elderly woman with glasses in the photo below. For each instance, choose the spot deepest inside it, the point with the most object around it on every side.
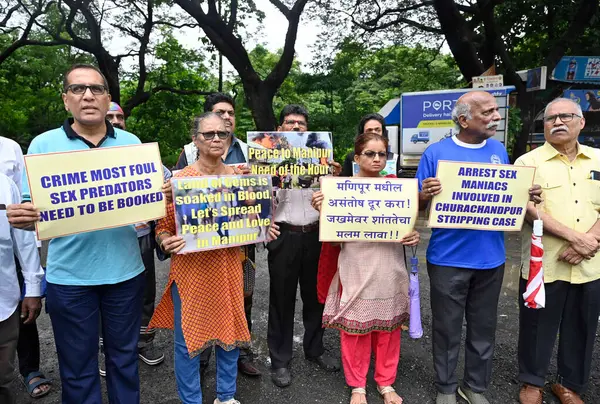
(204, 299)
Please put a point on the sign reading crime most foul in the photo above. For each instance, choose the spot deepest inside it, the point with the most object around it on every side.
(93, 189)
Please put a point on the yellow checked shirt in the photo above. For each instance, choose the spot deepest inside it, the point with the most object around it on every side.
(570, 197)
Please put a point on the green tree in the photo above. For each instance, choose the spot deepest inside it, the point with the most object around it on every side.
(167, 115)
(30, 101)
(509, 34)
(263, 61)
(360, 80)
(219, 21)
(357, 81)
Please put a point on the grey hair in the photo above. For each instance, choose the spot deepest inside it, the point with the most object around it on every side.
(197, 121)
(461, 109)
(561, 99)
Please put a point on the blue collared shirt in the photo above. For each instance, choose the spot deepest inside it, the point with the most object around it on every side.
(98, 257)
(235, 154)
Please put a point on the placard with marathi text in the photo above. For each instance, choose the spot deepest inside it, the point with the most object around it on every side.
(368, 209)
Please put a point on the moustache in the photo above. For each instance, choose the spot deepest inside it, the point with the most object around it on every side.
(562, 127)
(493, 124)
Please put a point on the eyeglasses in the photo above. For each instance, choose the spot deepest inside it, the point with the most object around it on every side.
(563, 117)
(371, 154)
(79, 89)
(211, 135)
(293, 122)
(222, 112)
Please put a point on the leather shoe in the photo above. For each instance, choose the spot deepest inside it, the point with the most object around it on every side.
(565, 395)
(247, 367)
(326, 363)
(281, 377)
(530, 394)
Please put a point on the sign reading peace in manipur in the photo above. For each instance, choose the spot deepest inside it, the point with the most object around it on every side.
(481, 196)
(368, 209)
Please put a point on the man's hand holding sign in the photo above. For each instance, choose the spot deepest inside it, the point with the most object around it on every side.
(23, 215)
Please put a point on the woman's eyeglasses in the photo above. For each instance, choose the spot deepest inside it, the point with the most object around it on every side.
(211, 135)
(371, 154)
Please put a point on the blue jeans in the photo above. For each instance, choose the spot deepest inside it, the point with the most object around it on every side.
(75, 314)
(187, 369)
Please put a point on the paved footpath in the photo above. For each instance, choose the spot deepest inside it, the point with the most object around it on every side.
(312, 385)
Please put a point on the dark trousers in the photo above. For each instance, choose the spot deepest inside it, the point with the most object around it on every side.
(147, 245)
(571, 311)
(74, 312)
(293, 259)
(245, 353)
(28, 348)
(9, 335)
(458, 293)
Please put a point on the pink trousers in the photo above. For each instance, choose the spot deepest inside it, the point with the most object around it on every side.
(356, 357)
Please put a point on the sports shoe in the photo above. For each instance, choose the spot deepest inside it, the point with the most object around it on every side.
(150, 356)
(471, 397)
(445, 398)
(231, 401)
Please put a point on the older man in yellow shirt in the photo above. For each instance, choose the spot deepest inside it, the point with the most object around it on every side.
(571, 195)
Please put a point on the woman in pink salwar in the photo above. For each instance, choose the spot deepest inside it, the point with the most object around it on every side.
(368, 297)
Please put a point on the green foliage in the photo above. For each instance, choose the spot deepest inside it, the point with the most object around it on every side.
(357, 82)
(361, 80)
(514, 128)
(263, 61)
(31, 82)
(166, 116)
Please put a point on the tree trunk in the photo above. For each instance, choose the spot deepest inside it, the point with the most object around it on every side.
(110, 69)
(259, 97)
(459, 37)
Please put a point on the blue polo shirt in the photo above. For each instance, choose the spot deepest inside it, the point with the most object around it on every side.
(95, 258)
(473, 249)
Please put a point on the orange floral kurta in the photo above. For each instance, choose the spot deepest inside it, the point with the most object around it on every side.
(210, 284)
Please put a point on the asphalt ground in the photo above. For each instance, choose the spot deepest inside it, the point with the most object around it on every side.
(312, 385)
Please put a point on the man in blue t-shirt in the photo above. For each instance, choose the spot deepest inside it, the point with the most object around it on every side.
(465, 267)
(94, 274)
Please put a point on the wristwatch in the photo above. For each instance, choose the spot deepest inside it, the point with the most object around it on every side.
(160, 243)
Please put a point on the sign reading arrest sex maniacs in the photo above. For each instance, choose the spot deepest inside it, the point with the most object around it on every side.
(481, 196)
